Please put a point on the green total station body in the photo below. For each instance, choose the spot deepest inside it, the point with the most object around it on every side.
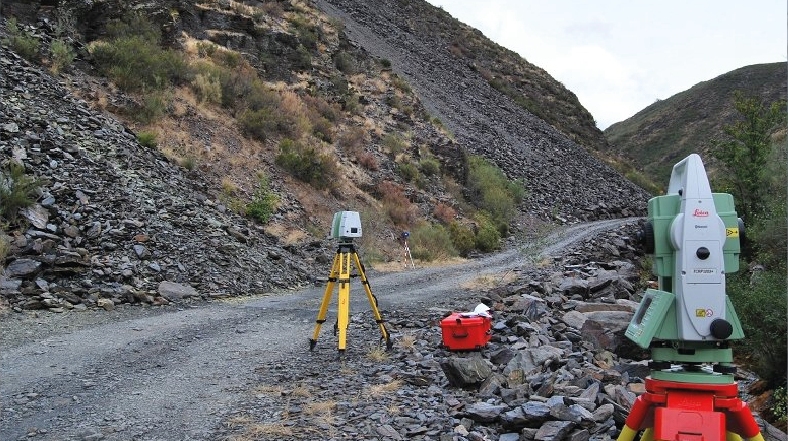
(693, 236)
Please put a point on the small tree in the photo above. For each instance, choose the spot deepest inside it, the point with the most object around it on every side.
(745, 152)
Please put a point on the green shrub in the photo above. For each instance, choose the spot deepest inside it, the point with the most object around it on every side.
(487, 237)
(263, 201)
(430, 166)
(385, 63)
(134, 59)
(189, 162)
(134, 24)
(394, 143)
(307, 33)
(23, 43)
(430, 242)
(206, 48)
(259, 124)
(154, 105)
(408, 171)
(462, 237)
(760, 303)
(302, 58)
(400, 83)
(207, 89)
(490, 190)
(5, 248)
(147, 139)
(62, 55)
(779, 407)
(136, 64)
(351, 104)
(345, 63)
(307, 164)
(17, 190)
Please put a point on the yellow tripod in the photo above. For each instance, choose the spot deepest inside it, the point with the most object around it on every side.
(340, 273)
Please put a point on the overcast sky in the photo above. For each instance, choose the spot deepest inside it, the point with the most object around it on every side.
(619, 56)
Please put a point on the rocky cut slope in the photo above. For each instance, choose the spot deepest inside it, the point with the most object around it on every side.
(561, 177)
(115, 221)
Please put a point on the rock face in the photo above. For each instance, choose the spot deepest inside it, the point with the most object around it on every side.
(115, 220)
(561, 176)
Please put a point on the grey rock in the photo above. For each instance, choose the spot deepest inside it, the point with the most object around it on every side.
(605, 329)
(24, 268)
(484, 412)
(528, 360)
(554, 430)
(37, 215)
(176, 291)
(466, 371)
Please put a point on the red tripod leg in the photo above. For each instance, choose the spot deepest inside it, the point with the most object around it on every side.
(636, 419)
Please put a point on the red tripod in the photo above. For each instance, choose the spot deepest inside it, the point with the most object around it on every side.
(673, 411)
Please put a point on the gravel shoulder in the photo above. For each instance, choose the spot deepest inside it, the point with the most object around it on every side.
(177, 372)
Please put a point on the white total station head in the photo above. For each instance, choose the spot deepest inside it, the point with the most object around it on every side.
(697, 235)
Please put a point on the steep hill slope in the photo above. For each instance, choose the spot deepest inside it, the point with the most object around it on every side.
(661, 134)
(421, 42)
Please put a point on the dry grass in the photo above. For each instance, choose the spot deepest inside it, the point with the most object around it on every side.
(489, 281)
(393, 410)
(320, 407)
(240, 420)
(407, 342)
(378, 390)
(377, 353)
(268, 390)
(302, 391)
(265, 430)
(346, 370)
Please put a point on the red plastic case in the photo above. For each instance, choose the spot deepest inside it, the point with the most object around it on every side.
(462, 332)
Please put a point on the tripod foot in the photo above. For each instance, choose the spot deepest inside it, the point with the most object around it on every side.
(389, 344)
(312, 344)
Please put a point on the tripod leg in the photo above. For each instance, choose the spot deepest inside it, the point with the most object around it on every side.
(373, 302)
(635, 419)
(343, 308)
(730, 436)
(648, 435)
(321, 315)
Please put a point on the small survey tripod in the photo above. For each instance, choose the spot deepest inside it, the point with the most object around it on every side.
(340, 273)
(405, 235)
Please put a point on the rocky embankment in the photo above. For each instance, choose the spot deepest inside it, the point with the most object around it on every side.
(558, 366)
(563, 180)
(115, 221)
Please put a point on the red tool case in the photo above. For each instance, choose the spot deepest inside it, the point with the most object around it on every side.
(465, 331)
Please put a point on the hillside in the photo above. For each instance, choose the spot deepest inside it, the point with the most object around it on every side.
(200, 149)
(668, 130)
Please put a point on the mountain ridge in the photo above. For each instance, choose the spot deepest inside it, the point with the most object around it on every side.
(688, 122)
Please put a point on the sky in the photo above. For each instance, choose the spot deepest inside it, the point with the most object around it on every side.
(619, 56)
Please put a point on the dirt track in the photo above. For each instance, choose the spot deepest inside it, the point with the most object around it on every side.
(175, 373)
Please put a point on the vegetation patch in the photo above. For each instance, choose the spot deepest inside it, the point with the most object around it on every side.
(21, 42)
(432, 241)
(396, 205)
(307, 164)
(493, 192)
(263, 201)
(17, 190)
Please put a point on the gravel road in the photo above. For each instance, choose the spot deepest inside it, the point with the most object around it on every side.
(174, 373)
